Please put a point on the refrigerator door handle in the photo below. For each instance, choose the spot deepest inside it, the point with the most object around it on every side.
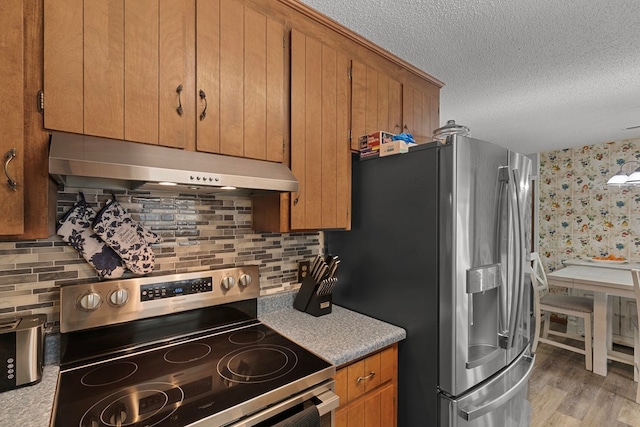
(503, 179)
(519, 261)
(518, 276)
(477, 412)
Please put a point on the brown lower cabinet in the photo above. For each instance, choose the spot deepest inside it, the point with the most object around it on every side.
(368, 390)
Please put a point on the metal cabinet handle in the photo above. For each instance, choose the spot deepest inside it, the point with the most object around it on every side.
(179, 92)
(203, 96)
(8, 157)
(368, 377)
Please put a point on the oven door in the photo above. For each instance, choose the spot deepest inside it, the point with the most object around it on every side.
(321, 396)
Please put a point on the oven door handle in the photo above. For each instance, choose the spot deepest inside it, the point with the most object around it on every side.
(328, 402)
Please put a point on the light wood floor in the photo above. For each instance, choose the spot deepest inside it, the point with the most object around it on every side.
(563, 393)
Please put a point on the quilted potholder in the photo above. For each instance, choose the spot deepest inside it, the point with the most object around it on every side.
(126, 237)
(75, 228)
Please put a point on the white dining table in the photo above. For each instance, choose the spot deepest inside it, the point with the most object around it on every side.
(604, 280)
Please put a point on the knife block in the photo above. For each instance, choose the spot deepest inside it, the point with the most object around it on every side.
(308, 301)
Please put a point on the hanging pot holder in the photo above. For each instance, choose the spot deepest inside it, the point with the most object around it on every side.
(126, 237)
(75, 228)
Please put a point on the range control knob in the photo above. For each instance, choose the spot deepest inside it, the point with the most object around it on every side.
(90, 301)
(245, 280)
(228, 283)
(119, 297)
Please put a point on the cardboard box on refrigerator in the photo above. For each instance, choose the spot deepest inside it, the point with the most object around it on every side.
(393, 147)
(370, 144)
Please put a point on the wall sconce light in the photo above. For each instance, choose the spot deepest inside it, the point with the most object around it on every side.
(621, 179)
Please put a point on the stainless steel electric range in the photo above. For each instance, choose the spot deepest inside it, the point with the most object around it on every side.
(181, 350)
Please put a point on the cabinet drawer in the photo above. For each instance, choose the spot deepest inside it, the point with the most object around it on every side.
(363, 376)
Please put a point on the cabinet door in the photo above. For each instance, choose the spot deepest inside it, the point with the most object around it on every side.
(63, 65)
(11, 111)
(240, 80)
(103, 68)
(388, 409)
(377, 409)
(420, 111)
(376, 103)
(141, 52)
(159, 86)
(320, 156)
(177, 40)
(113, 68)
(36, 190)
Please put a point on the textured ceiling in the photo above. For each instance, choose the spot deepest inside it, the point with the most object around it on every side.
(531, 75)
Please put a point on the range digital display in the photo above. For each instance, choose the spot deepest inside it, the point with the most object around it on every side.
(173, 289)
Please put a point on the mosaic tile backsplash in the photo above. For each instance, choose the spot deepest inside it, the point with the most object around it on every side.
(198, 232)
(579, 215)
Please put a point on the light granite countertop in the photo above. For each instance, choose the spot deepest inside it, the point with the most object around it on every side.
(339, 337)
(30, 406)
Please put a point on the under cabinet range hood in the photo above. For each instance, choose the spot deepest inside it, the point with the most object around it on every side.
(92, 162)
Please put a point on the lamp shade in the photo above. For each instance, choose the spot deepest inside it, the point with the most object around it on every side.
(618, 179)
(634, 178)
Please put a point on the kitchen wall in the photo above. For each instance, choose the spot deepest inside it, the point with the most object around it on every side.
(579, 215)
(199, 232)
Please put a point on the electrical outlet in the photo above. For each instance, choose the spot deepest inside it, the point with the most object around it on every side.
(303, 270)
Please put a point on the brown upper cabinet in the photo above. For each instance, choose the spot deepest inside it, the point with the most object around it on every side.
(320, 155)
(121, 69)
(203, 75)
(240, 81)
(420, 111)
(27, 194)
(377, 103)
(376, 98)
(12, 135)
(272, 80)
(383, 103)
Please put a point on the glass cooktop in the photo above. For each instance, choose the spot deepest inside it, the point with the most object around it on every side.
(178, 384)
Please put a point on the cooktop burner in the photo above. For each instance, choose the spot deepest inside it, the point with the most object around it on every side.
(145, 404)
(248, 336)
(186, 353)
(178, 384)
(258, 363)
(109, 374)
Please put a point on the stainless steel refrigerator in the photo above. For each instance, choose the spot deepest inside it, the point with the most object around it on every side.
(439, 245)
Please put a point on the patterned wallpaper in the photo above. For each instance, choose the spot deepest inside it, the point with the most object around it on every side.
(579, 215)
(199, 232)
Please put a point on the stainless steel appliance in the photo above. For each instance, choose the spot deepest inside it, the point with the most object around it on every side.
(439, 246)
(94, 162)
(181, 350)
(21, 351)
